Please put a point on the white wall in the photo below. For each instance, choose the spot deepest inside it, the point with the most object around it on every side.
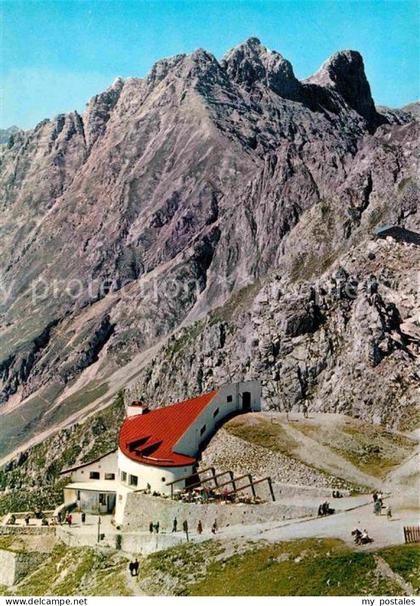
(146, 474)
(157, 477)
(7, 567)
(108, 464)
(189, 443)
(14, 566)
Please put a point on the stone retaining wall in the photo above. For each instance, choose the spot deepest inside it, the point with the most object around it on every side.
(142, 509)
(296, 490)
(17, 530)
(145, 544)
(14, 566)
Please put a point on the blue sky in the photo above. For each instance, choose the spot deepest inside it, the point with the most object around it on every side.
(57, 54)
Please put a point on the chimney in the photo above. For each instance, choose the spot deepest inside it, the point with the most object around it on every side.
(136, 408)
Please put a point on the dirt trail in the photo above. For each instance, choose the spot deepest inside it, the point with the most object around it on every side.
(312, 452)
(133, 584)
(384, 532)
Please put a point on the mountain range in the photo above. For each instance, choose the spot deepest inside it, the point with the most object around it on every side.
(214, 220)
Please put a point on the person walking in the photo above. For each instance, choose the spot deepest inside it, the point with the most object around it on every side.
(199, 527)
(69, 520)
(83, 517)
(389, 512)
(131, 568)
(214, 527)
(151, 527)
(157, 525)
(185, 528)
(136, 568)
(174, 525)
(27, 519)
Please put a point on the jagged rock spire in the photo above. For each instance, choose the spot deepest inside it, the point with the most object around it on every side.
(345, 73)
(251, 63)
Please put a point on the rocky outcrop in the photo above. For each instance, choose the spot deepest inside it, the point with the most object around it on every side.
(99, 111)
(7, 133)
(344, 72)
(251, 64)
(336, 344)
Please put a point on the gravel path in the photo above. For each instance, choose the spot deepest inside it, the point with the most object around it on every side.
(384, 532)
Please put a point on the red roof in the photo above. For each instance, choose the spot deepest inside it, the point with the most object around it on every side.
(150, 439)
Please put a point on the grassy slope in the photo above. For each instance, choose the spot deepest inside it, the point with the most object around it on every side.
(35, 482)
(263, 433)
(304, 567)
(76, 571)
(405, 561)
(275, 437)
(372, 449)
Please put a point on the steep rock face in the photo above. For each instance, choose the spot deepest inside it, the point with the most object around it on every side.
(99, 111)
(345, 73)
(345, 342)
(171, 193)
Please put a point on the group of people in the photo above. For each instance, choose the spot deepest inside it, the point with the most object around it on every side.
(336, 494)
(214, 527)
(200, 528)
(154, 527)
(133, 567)
(324, 509)
(378, 505)
(12, 521)
(44, 520)
(361, 537)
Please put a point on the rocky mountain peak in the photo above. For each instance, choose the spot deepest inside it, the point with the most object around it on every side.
(198, 65)
(345, 73)
(163, 67)
(251, 63)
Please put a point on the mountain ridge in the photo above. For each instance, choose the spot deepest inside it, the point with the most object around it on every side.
(169, 195)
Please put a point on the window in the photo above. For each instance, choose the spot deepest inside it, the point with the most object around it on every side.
(203, 429)
(229, 398)
(110, 476)
(133, 480)
(94, 475)
(216, 412)
(123, 476)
